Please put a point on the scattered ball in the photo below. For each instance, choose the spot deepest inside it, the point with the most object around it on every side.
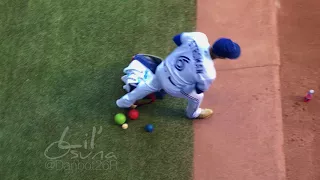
(120, 118)
(148, 128)
(125, 126)
(133, 114)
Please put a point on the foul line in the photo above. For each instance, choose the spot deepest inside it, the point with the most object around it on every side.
(268, 65)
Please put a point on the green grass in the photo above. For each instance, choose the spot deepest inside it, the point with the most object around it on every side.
(60, 66)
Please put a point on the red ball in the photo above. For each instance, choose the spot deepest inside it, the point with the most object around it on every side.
(133, 114)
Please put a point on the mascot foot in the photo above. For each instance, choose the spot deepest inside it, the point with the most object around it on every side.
(133, 106)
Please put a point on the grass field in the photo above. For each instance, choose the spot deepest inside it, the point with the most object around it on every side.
(61, 63)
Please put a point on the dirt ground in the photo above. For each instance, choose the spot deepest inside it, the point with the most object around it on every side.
(299, 32)
(244, 139)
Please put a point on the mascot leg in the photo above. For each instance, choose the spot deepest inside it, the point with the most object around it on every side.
(141, 91)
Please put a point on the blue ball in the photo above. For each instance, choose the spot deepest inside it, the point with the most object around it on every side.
(148, 128)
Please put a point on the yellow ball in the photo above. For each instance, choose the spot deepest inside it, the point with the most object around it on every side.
(124, 126)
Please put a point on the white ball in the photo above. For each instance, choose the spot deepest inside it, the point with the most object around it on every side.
(124, 126)
(311, 91)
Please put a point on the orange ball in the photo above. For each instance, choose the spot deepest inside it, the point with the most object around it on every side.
(133, 114)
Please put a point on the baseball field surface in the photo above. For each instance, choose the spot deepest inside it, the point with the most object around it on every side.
(60, 69)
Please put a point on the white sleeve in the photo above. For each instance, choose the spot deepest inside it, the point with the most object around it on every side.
(203, 84)
(204, 80)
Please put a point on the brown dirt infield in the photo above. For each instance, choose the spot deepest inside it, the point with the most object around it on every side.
(258, 132)
(244, 139)
(299, 32)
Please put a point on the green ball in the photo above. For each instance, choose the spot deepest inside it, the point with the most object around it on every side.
(120, 118)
